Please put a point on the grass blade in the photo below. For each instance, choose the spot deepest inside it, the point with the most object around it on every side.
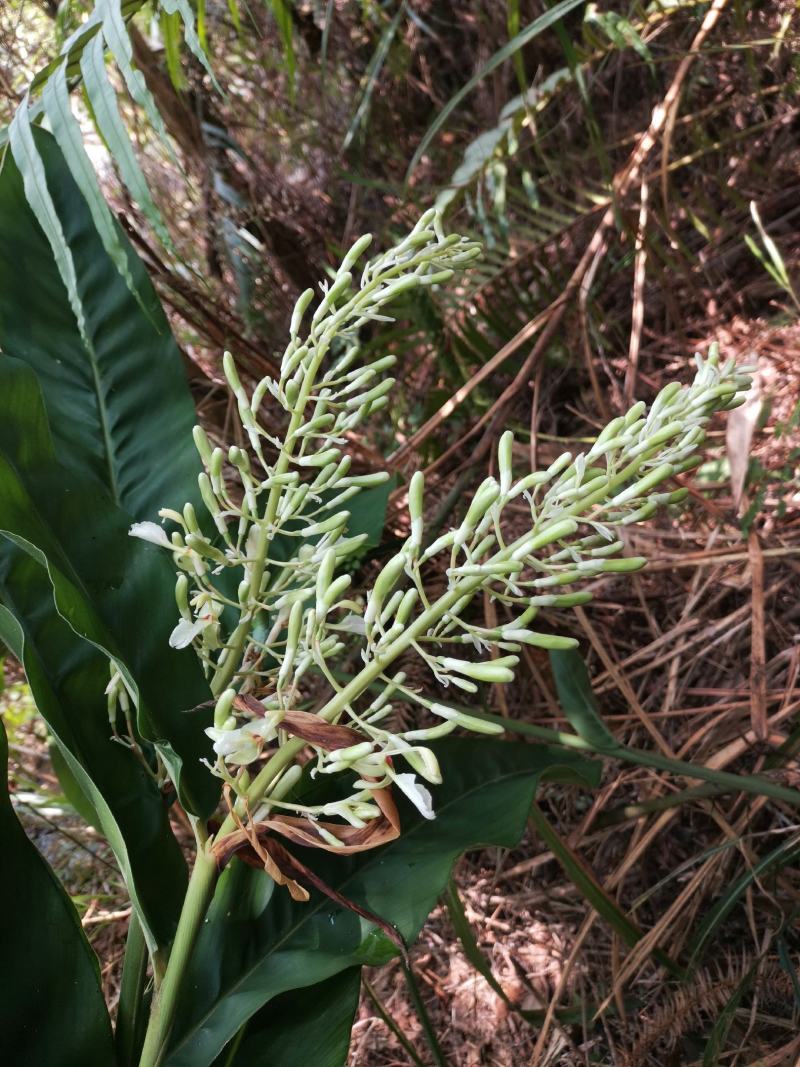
(469, 943)
(282, 14)
(422, 1014)
(411, 1052)
(584, 880)
(785, 853)
(372, 74)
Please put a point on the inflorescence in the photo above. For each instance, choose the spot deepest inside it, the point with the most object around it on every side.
(294, 610)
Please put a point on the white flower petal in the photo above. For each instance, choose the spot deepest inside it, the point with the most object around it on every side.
(419, 796)
(233, 745)
(150, 531)
(185, 632)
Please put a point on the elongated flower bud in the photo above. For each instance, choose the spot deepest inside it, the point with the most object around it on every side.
(469, 722)
(416, 500)
(505, 452)
(223, 708)
(497, 670)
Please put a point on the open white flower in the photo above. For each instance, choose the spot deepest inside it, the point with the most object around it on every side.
(419, 796)
(150, 531)
(186, 631)
(243, 745)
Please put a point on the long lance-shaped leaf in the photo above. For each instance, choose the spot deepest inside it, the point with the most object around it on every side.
(103, 100)
(113, 592)
(183, 9)
(118, 406)
(258, 943)
(67, 679)
(67, 132)
(371, 76)
(52, 1008)
(119, 44)
(31, 168)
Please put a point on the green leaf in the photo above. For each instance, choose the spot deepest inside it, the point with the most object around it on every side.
(712, 1054)
(116, 399)
(258, 943)
(282, 13)
(113, 590)
(67, 677)
(35, 190)
(183, 9)
(368, 512)
(121, 416)
(52, 1009)
(119, 43)
(585, 882)
(302, 1027)
(170, 26)
(371, 75)
(782, 856)
(577, 700)
(106, 114)
(70, 786)
(67, 133)
(509, 49)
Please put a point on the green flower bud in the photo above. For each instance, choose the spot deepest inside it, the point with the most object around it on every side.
(496, 670)
(223, 707)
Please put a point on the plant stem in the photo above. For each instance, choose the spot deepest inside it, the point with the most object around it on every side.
(727, 782)
(195, 905)
(337, 704)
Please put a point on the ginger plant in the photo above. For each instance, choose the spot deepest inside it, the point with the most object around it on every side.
(294, 619)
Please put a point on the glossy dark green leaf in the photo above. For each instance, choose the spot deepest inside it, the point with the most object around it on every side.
(114, 590)
(306, 1026)
(577, 700)
(74, 794)
(66, 676)
(52, 1010)
(117, 402)
(258, 943)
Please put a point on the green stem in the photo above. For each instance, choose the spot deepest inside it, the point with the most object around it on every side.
(733, 783)
(195, 905)
(227, 669)
(337, 704)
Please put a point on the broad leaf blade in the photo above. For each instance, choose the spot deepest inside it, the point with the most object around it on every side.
(302, 1027)
(66, 676)
(258, 944)
(52, 1009)
(116, 396)
(113, 590)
